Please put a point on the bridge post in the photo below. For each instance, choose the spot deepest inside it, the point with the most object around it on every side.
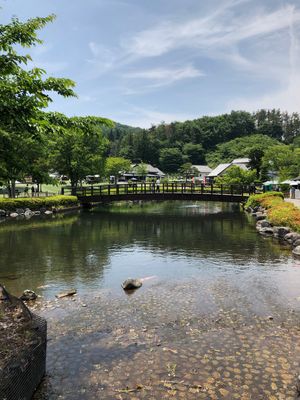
(100, 190)
(108, 190)
(221, 189)
(211, 188)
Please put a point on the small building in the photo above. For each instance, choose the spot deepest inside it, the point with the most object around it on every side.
(218, 171)
(133, 174)
(242, 163)
(203, 172)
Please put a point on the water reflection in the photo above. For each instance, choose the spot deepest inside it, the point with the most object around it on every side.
(95, 249)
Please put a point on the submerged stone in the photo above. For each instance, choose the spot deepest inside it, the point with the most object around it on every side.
(131, 284)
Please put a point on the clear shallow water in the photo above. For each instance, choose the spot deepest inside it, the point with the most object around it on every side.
(98, 249)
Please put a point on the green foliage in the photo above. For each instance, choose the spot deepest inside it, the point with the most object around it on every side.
(194, 153)
(239, 147)
(36, 203)
(279, 212)
(256, 200)
(114, 166)
(77, 146)
(188, 170)
(170, 159)
(235, 176)
(282, 159)
(24, 93)
(141, 170)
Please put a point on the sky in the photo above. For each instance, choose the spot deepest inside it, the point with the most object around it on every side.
(141, 62)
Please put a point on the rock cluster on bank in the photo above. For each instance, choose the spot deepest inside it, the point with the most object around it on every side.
(283, 233)
(25, 212)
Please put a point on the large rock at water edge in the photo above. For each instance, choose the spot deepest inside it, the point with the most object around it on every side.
(296, 251)
(28, 295)
(266, 231)
(131, 284)
(281, 231)
(292, 237)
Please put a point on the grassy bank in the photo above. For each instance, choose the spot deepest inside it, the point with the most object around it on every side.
(279, 212)
(35, 203)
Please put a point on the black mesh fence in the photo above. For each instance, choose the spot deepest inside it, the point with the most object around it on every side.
(21, 375)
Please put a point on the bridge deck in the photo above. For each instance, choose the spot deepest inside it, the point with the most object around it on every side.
(164, 191)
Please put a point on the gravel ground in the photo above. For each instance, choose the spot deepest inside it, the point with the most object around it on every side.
(184, 340)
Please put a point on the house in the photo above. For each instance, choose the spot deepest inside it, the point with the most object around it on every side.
(221, 169)
(152, 172)
(242, 163)
(218, 171)
(203, 171)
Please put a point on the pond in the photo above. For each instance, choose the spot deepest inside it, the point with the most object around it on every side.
(208, 276)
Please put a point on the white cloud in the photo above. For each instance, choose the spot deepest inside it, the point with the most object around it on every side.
(144, 118)
(286, 92)
(159, 77)
(210, 32)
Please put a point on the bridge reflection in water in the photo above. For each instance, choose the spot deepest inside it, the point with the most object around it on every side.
(163, 191)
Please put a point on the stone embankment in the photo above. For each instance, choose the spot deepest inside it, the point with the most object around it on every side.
(282, 233)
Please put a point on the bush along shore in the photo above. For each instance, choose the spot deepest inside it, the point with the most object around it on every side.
(28, 207)
(276, 218)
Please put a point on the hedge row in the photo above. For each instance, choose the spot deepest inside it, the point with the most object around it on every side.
(35, 203)
(279, 212)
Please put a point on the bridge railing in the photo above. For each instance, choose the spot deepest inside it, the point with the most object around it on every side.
(165, 188)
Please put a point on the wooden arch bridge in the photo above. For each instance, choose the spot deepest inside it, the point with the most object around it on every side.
(164, 191)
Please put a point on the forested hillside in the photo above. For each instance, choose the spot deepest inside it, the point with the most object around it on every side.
(205, 140)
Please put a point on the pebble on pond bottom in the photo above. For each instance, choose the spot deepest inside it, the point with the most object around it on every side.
(181, 343)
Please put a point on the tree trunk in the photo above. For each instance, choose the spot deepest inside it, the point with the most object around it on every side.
(12, 189)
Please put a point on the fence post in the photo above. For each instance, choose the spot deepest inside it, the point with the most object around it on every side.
(211, 189)
(62, 191)
(108, 189)
(221, 189)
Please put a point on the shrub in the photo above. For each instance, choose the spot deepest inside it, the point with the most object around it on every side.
(36, 203)
(279, 212)
(269, 197)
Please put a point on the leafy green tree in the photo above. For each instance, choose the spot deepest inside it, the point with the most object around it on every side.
(236, 176)
(141, 170)
(24, 93)
(78, 146)
(115, 166)
(188, 170)
(194, 152)
(256, 156)
(283, 160)
(239, 147)
(170, 159)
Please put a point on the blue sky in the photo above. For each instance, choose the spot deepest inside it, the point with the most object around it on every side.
(140, 62)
